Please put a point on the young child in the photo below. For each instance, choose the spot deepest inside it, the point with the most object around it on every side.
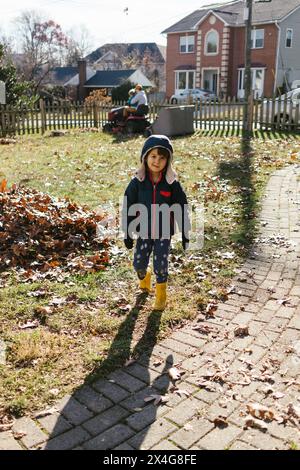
(154, 188)
(131, 94)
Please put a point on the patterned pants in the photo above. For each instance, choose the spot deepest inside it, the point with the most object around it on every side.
(142, 252)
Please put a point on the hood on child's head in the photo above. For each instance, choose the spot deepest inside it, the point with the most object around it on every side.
(155, 141)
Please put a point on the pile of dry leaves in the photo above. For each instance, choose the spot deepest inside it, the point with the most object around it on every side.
(41, 233)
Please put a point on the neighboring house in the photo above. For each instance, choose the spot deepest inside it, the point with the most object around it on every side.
(206, 49)
(85, 82)
(109, 61)
(61, 75)
(148, 57)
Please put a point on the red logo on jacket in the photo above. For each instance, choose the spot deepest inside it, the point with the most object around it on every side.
(165, 193)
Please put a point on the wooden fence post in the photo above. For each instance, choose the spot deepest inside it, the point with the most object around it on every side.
(43, 115)
(95, 114)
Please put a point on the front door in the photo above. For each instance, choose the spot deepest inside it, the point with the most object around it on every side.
(210, 80)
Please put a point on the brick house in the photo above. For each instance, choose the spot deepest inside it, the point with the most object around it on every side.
(206, 48)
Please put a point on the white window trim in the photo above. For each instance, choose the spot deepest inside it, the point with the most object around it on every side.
(252, 69)
(218, 43)
(286, 31)
(254, 38)
(186, 44)
(186, 72)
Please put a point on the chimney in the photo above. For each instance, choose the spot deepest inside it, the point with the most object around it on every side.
(82, 78)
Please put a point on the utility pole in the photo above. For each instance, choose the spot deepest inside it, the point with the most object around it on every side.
(247, 120)
(248, 105)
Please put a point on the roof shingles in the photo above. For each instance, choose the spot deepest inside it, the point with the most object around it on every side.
(109, 78)
(233, 14)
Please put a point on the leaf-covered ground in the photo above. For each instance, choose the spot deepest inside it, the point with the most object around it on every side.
(62, 330)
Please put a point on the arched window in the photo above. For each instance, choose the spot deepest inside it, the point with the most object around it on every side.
(212, 42)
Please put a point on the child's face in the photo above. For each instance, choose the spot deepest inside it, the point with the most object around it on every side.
(156, 162)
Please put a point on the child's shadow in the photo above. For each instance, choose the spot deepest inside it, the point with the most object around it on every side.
(107, 411)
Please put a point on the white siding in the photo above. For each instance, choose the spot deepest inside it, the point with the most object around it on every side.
(289, 58)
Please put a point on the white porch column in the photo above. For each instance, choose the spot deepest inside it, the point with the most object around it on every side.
(198, 59)
(225, 60)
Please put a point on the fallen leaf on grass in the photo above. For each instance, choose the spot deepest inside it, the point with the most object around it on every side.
(29, 324)
(37, 293)
(57, 301)
(158, 399)
(41, 233)
(125, 308)
(43, 310)
(6, 421)
(6, 141)
(226, 255)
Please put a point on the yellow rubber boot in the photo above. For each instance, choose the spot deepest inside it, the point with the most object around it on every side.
(160, 296)
(145, 284)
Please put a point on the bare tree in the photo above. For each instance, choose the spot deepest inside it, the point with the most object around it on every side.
(148, 62)
(79, 44)
(42, 43)
(8, 45)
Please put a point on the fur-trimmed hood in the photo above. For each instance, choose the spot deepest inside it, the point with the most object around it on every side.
(152, 142)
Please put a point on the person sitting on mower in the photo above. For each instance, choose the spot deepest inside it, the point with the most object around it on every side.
(138, 100)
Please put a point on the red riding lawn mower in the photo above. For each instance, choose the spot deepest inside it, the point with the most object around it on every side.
(134, 123)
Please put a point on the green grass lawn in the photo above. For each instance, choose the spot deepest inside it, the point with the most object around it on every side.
(101, 321)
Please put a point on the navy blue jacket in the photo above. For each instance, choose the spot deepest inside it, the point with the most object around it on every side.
(159, 196)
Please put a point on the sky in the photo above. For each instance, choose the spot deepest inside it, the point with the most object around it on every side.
(107, 21)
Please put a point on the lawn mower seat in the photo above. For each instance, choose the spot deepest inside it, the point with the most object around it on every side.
(142, 110)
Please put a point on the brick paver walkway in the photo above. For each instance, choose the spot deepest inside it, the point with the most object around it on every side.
(222, 373)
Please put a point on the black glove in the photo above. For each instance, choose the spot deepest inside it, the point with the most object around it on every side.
(128, 243)
(185, 243)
